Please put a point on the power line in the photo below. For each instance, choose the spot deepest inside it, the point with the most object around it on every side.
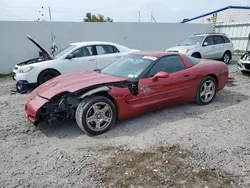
(10, 13)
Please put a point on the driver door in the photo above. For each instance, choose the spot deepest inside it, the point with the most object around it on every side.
(83, 59)
(157, 94)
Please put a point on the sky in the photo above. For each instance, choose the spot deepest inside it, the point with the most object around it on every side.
(119, 11)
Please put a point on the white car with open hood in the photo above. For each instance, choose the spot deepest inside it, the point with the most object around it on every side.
(78, 56)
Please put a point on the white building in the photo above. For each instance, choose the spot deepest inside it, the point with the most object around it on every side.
(227, 14)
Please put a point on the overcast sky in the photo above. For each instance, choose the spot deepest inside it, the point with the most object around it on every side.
(120, 11)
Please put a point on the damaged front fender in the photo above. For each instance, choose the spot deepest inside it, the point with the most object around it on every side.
(93, 91)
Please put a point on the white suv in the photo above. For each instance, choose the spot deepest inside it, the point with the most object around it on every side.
(207, 46)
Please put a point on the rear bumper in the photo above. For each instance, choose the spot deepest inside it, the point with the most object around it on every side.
(31, 108)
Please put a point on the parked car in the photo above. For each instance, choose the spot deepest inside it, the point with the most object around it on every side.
(74, 57)
(244, 63)
(215, 46)
(134, 84)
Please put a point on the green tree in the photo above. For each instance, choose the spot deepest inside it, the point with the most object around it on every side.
(99, 18)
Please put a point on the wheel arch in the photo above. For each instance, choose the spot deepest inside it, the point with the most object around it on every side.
(197, 53)
(215, 77)
(100, 91)
(47, 69)
(229, 53)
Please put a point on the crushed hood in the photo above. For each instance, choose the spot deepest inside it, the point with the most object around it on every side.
(75, 81)
(45, 52)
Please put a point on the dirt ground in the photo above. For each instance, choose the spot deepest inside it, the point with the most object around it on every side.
(184, 146)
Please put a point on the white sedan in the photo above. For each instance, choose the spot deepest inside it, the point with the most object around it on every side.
(74, 57)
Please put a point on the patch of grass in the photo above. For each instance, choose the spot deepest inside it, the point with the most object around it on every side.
(5, 75)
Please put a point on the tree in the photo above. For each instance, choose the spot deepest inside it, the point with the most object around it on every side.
(93, 18)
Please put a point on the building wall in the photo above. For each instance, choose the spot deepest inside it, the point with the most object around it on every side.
(238, 32)
(229, 15)
(15, 48)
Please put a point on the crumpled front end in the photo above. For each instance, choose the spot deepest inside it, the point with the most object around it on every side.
(244, 62)
(32, 106)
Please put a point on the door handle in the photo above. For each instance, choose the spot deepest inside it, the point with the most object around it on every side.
(91, 59)
(118, 56)
(186, 74)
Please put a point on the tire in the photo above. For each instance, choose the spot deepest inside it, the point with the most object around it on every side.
(46, 75)
(91, 108)
(196, 56)
(245, 72)
(202, 93)
(226, 57)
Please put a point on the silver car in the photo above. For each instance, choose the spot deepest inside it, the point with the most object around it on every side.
(207, 46)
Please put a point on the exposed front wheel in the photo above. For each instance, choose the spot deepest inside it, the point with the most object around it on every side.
(206, 90)
(95, 115)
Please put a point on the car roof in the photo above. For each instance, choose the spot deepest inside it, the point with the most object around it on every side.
(207, 34)
(92, 43)
(157, 54)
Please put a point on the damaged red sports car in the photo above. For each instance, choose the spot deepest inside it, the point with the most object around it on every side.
(134, 84)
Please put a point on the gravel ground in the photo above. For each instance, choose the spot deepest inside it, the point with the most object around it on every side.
(184, 146)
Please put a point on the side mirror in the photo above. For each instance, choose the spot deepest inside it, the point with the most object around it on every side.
(205, 44)
(160, 75)
(70, 56)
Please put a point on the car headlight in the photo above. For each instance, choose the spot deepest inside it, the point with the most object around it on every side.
(25, 69)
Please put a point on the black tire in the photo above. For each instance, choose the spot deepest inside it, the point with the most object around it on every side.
(199, 99)
(245, 72)
(46, 75)
(226, 57)
(84, 107)
(196, 55)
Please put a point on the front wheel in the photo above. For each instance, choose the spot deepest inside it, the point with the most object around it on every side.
(206, 91)
(95, 115)
(46, 75)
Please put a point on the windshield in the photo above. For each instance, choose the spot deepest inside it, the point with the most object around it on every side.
(64, 50)
(130, 66)
(192, 40)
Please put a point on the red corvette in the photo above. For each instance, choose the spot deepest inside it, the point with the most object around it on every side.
(132, 85)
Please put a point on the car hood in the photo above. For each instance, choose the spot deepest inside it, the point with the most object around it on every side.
(181, 48)
(44, 52)
(75, 81)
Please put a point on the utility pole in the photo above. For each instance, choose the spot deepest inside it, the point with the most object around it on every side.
(49, 15)
(139, 16)
(52, 36)
(151, 16)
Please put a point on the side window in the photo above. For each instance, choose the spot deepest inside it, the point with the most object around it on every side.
(106, 49)
(226, 39)
(83, 51)
(218, 40)
(209, 40)
(169, 64)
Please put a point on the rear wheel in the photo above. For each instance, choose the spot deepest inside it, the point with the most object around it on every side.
(226, 57)
(46, 75)
(95, 115)
(206, 91)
